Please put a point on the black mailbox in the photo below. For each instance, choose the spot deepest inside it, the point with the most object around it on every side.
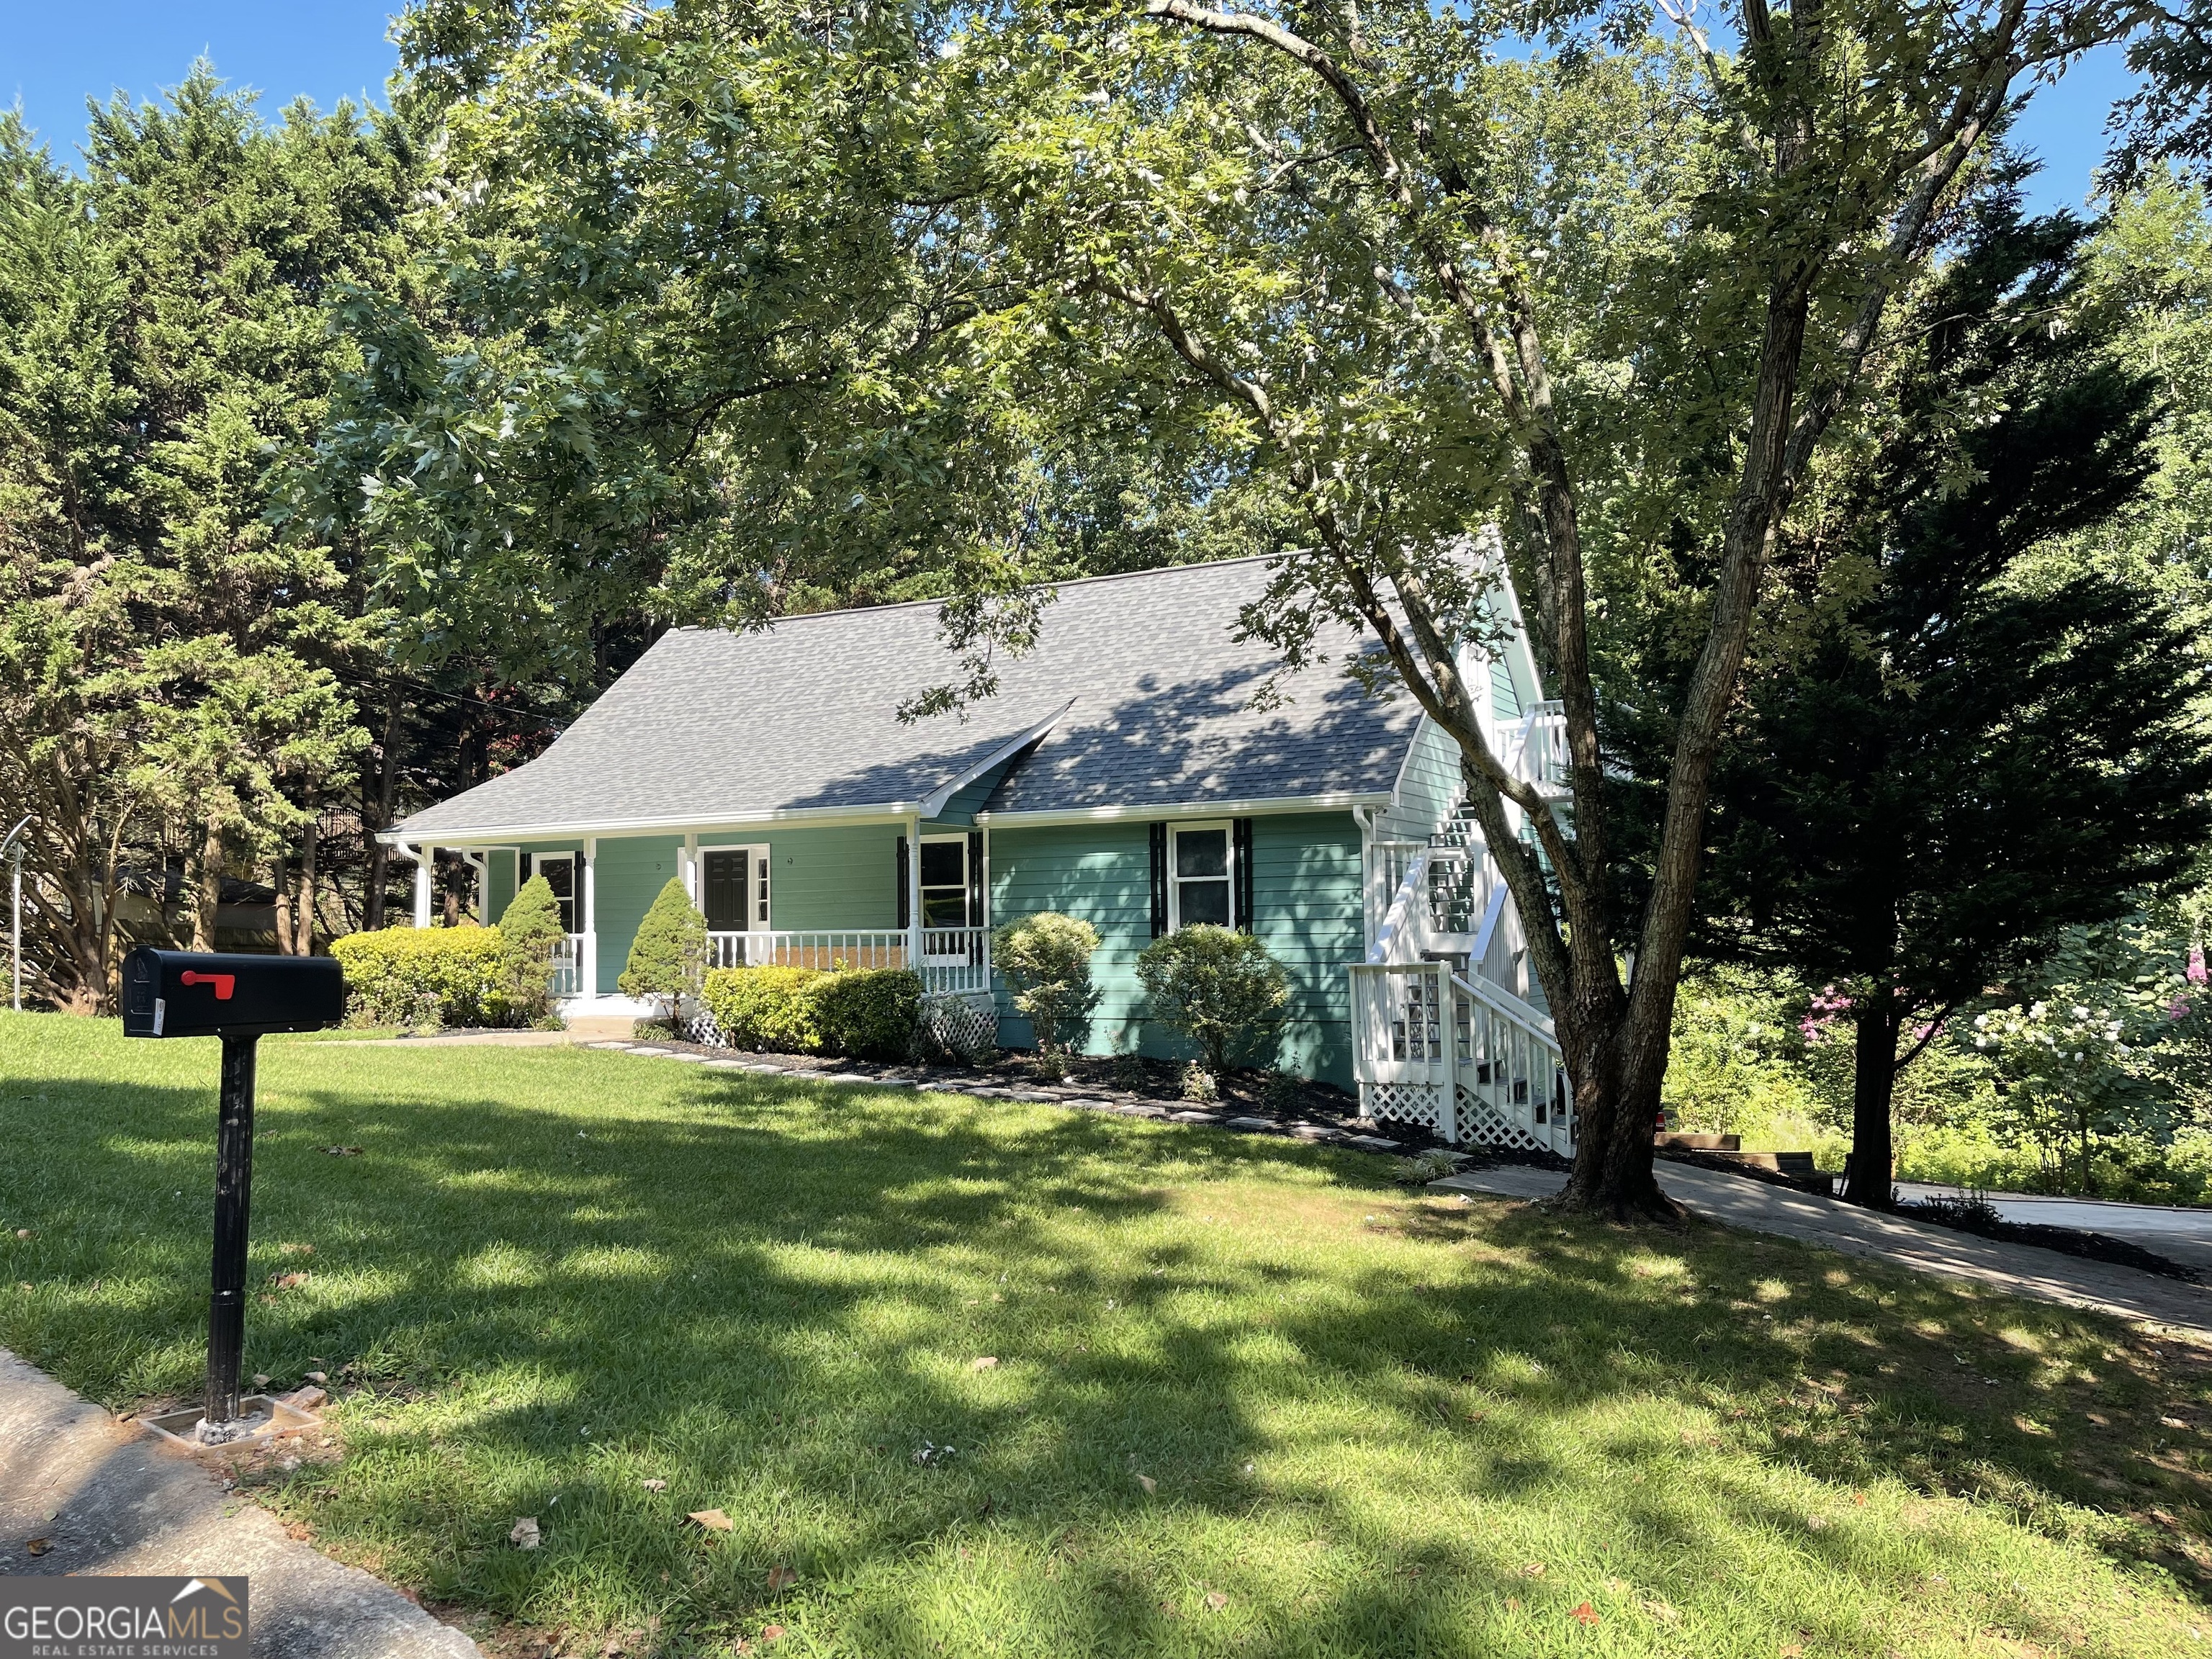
(178, 994)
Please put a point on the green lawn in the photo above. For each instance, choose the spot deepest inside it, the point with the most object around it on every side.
(1247, 1398)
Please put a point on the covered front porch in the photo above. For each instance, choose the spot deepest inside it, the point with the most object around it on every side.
(785, 893)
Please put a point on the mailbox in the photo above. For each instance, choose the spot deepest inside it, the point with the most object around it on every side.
(178, 994)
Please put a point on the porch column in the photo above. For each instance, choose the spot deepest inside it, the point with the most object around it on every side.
(914, 892)
(691, 867)
(590, 919)
(422, 857)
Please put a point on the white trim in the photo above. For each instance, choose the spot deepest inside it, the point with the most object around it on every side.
(934, 803)
(760, 855)
(899, 813)
(895, 812)
(1339, 802)
(1228, 876)
(590, 900)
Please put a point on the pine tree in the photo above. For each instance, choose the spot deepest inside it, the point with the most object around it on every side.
(668, 958)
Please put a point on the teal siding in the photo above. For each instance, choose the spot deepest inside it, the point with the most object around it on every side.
(1505, 698)
(1428, 788)
(1305, 897)
(1306, 909)
(845, 878)
(629, 874)
(498, 883)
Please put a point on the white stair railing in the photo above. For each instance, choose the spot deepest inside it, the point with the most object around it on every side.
(1461, 1057)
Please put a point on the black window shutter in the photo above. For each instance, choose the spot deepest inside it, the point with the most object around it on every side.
(976, 894)
(1240, 840)
(1159, 879)
(905, 915)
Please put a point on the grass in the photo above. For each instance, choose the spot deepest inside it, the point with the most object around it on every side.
(1248, 1399)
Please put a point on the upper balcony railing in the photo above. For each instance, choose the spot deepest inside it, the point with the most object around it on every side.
(1536, 749)
(955, 961)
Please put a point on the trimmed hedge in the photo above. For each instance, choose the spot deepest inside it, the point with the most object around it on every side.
(869, 1013)
(414, 976)
(765, 1008)
(862, 1013)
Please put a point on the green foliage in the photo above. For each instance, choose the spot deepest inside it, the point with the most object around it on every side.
(1046, 961)
(766, 1008)
(1218, 987)
(167, 658)
(668, 957)
(866, 1013)
(529, 929)
(398, 975)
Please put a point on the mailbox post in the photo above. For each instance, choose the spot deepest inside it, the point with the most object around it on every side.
(238, 999)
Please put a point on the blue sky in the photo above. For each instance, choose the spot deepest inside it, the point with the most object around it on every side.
(54, 52)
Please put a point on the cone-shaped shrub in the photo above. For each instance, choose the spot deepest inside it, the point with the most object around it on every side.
(668, 958)
(528, 930)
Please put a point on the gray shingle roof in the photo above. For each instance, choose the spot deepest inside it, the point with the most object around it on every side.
(1151, 693)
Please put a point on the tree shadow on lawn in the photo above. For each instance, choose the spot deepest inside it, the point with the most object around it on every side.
(1364, 1416)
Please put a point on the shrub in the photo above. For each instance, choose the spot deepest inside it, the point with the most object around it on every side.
(867, 1013)
(394, 974)
(668, 958)
(1046, 960)
(1221, 989)
(529, 928)
(766, 1008)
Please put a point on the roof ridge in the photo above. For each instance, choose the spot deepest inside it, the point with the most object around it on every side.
(916, 605)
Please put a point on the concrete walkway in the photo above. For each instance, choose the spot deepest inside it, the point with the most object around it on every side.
(112, 1500)
(2019, 1269)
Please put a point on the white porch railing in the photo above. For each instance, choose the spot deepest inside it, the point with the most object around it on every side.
(1460, 1057)
(955, 961)
(568, 964)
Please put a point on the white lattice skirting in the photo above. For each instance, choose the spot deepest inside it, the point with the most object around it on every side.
(1405, 1103)
(1481, 1124)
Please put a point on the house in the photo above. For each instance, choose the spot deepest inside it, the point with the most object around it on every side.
(1123, 772)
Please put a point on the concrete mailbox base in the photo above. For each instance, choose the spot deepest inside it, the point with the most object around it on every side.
(260, 1419)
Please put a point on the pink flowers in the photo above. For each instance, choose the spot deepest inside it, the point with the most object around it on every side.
(2196, 973)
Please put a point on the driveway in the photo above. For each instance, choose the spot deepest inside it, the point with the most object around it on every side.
(2019, 1269)
(2176, 1233)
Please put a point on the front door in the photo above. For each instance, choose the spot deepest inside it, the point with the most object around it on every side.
(735, 880)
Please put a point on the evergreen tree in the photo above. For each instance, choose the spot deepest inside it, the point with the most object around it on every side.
(1960, 764)
(529, 928)
(668, 958)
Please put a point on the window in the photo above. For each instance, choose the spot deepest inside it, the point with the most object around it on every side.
(945, 882)
(559, 870)
(1198, 875)
(734, 880)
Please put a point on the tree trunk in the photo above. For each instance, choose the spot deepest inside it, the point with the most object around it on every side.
(378, 815)
(208, 886)
(280, 876)
(303, 914)
(1873, 1082)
